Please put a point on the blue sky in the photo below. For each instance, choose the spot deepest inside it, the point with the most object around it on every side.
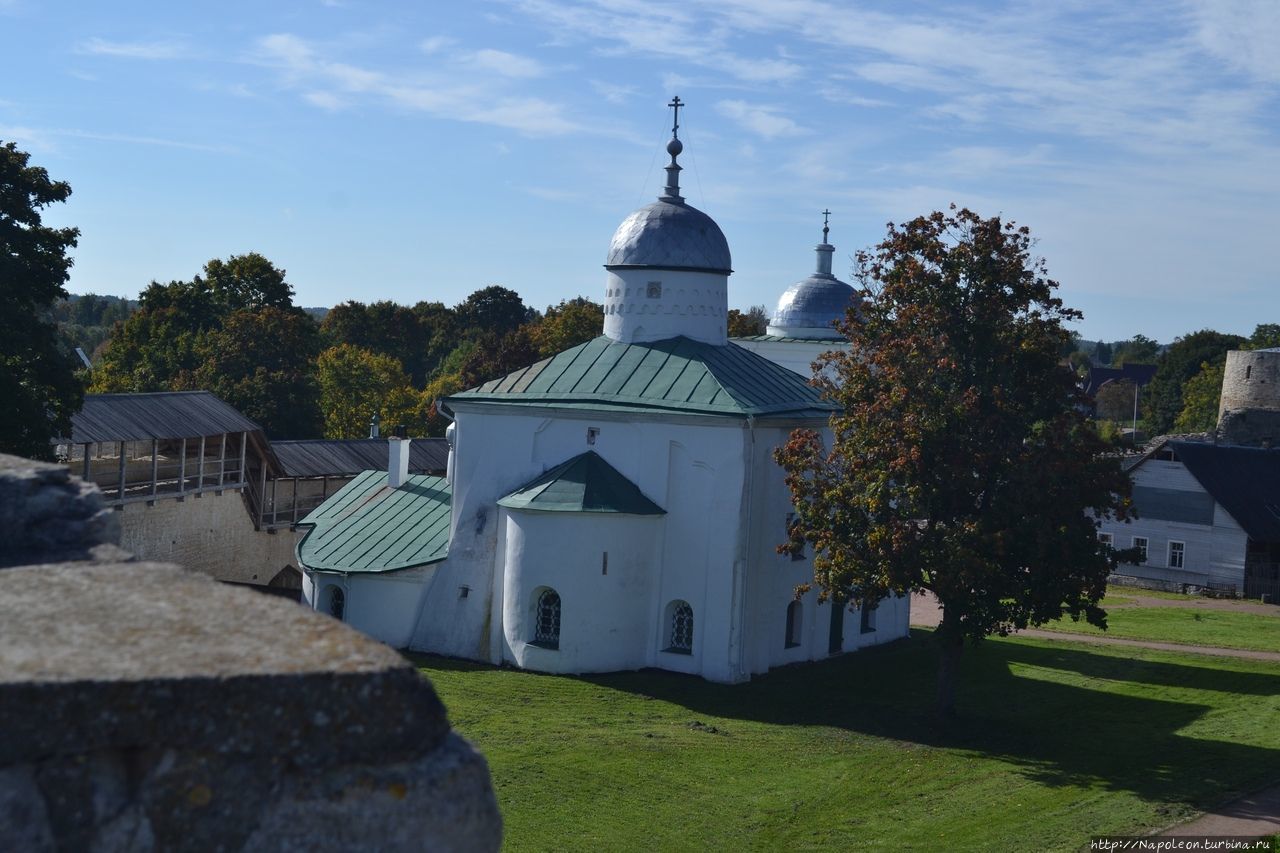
(421, 151)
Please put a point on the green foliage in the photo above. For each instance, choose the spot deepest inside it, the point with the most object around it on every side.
(1115, 400)
(572, 322)
(418, 337)
(1182, 360)
(1265, 336)
(1103, 353)
(754, 321)
(1057, 743)
(961, 463)
(1137, 350)
(493, 309)
(260, 361)
(494, 356)
(356, 383)
(1200, 397)
(248, 282)
(39, 390)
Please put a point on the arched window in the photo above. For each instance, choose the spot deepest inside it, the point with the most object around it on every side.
(546, 619)
(681, 627)
(337, 602)
(795, 616)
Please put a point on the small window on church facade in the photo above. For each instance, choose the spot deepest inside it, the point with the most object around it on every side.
(680, 628)
(653, 290)
(869, 618)
(546, 621)
(337, 602)
(795, 614)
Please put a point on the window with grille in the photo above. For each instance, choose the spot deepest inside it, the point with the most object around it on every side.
(1140, 542)
(337, 602)
(1105, 538)
(1176, 553)
(546, 622)
(681, 628)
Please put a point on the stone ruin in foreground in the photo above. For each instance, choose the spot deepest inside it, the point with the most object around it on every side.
(144, 707)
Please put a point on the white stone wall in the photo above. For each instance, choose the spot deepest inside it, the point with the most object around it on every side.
(694, 470)
(210, 533)
(796, 356)
(774, 577)
(693, 304)
(605, 622)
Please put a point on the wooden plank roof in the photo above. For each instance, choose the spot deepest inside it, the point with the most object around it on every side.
(369, 527)
(346, 457)
(162, 415)
(678, 374)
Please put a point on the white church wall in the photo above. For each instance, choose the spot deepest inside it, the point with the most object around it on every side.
(698, 538)
(383, 605)
(796, 356)
(605, 603)
(703, 551)
(686, 303)
(774, 577)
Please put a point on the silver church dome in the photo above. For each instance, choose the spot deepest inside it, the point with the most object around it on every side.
(670, 235)
(810, 308)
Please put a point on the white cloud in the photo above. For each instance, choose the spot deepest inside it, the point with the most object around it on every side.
(134, 50)
(331, 84)
(614, 93)
(435, 44)
(506, 64)
(761, 120)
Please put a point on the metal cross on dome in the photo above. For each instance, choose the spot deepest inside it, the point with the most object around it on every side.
(675, 105)
(825, 229)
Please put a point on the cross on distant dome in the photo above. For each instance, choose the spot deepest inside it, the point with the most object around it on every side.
(825, 228)
(675, 105)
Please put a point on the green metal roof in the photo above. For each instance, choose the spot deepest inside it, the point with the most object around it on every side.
(585, 483)
(677, 374)
(367, 526)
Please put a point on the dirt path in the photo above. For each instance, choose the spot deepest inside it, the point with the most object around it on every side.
(1140, 600)
(1256, 814)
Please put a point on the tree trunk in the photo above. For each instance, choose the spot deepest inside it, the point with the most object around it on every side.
(951, 644)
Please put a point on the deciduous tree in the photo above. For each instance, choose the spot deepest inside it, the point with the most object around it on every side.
(1200, 397)
(960, 463)
(39, 390)
(572, 322)
(1181, 361)
(746, 324)
(356, 383)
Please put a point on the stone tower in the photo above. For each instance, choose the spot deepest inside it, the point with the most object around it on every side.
(1250, 409)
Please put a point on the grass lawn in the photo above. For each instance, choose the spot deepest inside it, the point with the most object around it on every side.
(1055, 743)
(1223, 628)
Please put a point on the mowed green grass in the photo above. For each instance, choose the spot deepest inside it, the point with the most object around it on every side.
(1054, 743)
(1188, 625)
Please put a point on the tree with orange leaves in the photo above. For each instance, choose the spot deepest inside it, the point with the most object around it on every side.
(960, 462)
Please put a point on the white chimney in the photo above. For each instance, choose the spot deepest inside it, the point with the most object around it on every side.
(397, 461)
(450, 436)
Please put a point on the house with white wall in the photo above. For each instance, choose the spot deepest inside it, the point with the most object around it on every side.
(1208, 515)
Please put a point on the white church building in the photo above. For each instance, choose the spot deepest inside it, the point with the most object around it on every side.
(613, 507)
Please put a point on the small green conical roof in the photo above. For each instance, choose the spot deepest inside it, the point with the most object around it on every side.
(585, 483)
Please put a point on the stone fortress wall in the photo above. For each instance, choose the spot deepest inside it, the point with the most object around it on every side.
(1249, 411)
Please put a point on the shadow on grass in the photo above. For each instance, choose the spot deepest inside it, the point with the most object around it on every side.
(1117, 728)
